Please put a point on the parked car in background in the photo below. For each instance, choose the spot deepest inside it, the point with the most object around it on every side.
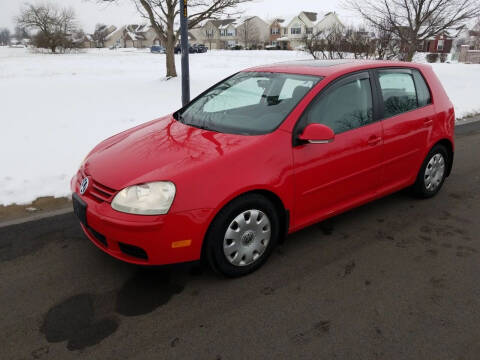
(157, 49)
(235, 47)
(264, 153)
(200, 48)
(178, 49)
(272, 47)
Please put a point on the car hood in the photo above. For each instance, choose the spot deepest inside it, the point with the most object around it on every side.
(163, 149)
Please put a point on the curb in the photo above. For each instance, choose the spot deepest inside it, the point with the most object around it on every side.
(32, 218)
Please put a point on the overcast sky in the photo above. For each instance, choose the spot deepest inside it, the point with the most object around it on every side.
(89, 12)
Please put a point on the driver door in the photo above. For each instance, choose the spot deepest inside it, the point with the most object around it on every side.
(333, 177)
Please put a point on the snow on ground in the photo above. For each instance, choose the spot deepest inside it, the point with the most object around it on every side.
(55, 108)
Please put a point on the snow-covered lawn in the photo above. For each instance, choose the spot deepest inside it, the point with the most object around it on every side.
(55, 108)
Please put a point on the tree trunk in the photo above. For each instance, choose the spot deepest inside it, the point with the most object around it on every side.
(411, 50)
(170, 49)
(410, 54)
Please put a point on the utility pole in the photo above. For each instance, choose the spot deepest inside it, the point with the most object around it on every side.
(185, 51)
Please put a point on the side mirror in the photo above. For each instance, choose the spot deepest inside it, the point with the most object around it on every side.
(317, 134)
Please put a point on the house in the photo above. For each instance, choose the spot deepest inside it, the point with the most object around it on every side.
(294, 30)
(276, 33)
(252, 32)
(441, 43)
(298, 27)
(132, 36)
(329, 21)
(87, 42)
(217, 34)
(470, 47)
(102, 32)
(473, 39)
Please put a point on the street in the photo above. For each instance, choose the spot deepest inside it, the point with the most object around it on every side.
(395, 279)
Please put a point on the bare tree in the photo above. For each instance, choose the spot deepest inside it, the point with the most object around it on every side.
(54, 26)
(326, 43)
(21, 33)
(413, 21)
(475, 36)
(162, 15)
(387, 46)
(100, 34)
(315, 45)
(4, 36)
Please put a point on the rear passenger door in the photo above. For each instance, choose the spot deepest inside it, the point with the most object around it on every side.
(408, 114)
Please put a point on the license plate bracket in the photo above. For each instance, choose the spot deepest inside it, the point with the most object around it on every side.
(80, 208)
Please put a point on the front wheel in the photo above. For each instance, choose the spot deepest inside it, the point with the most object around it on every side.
(242, 235)
(433, 172)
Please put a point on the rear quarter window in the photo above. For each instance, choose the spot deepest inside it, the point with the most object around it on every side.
(423, 92)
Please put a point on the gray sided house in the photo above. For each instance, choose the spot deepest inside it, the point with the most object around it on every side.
(252, 32)
(217, 34)
(132, 36)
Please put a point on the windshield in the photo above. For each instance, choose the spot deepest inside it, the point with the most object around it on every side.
(248, 103)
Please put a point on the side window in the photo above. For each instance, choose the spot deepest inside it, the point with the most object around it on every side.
(344, 107)
(423, 92)
(398, 90)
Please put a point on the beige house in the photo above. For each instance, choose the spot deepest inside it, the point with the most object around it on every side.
(298, 27)
(329, 21)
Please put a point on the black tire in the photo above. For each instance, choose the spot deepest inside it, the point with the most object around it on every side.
(214, 253)
(419, 188)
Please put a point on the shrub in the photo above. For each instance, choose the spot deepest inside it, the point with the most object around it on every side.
(443, 57)
(432, 58)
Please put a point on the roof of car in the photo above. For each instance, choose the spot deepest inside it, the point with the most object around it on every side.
(329, 67)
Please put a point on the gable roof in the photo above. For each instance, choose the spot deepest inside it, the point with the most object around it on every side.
(312, 16)
(223, 22)
(279, 20)
(309, 17)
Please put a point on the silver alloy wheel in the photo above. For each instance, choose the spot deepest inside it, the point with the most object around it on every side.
(247, 238)
(434, 172)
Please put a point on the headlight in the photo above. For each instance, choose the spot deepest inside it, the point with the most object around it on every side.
(153, 198)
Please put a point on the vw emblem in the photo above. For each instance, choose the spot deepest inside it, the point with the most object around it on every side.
(83, 186)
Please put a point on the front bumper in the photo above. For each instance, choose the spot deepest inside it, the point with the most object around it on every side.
(146, 240)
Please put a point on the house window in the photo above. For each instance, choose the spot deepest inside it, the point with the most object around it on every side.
(275, 31)
(285, 31)
(295, 30)
(209, 33)
(309, 30)
(440, 45)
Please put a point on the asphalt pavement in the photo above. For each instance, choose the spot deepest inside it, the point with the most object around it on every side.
(395, 279)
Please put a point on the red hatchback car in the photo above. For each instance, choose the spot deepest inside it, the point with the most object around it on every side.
(264, 153)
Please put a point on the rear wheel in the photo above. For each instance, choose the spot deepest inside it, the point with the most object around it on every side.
(433, 172)
(242, 236)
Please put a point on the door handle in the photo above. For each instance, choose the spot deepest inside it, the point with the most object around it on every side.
(374, 140)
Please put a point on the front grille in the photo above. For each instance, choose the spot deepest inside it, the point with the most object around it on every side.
(101, 192)
(99, 237)
(96, 191)
(134, 251)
